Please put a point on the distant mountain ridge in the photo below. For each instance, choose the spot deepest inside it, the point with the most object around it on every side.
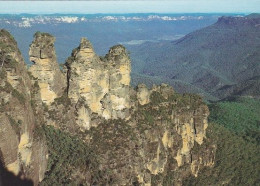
(226, 53)
(29, 20)
(104, 30)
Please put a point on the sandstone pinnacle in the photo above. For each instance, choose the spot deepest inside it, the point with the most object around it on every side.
(45, 68)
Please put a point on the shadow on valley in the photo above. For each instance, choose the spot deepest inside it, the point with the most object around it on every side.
(7, 178)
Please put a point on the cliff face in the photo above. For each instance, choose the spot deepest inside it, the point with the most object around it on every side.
(23, 153)
(117, 101)
(87, 77)
(136, 136)
(45, 68)
(103, 85)
(163, 142)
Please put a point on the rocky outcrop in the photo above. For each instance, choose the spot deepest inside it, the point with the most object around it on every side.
(117, 100)
(103, 84)
(180, 122)
(159, 144)
(87, 77)
(45, 69)
(143, 94)
(22, 152)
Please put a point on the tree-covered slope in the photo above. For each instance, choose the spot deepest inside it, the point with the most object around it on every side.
(235, 129)
(225, 53)
(237, 160)
(239, 115)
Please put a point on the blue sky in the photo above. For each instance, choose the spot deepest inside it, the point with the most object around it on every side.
(90, 7)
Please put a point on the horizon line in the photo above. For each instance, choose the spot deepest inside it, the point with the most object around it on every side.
(130, 13)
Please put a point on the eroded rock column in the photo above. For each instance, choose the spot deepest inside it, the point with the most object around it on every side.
(103, 85)
(87, 77)
(119, 82)
(45, 68)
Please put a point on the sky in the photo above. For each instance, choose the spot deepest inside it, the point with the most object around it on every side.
(126, 6)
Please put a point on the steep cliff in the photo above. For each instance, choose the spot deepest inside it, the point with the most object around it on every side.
(23, 152)
(102, 83)
(45, 68)
(163, 142)
(97, 127)
(87, 76)
(117, 101)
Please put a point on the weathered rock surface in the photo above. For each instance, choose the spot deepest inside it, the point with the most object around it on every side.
(103, 84)
(51, 81)
(22, 153)
(87, 77)
(160, 143)
(119, 83)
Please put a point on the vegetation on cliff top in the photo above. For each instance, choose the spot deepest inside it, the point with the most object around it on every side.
(38, 33)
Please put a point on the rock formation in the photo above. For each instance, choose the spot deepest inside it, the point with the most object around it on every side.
(45, 68)
(102, 84)
(87, 77)
(141, 136)
(159, 144)
(117, 100)
(22, 151)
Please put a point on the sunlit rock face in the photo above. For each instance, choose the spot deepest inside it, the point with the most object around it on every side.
(103, 84)
(119, 82)
(143, 94)
(87, 77)
(45, 68)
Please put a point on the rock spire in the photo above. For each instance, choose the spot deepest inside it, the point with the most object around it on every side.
(45, 68)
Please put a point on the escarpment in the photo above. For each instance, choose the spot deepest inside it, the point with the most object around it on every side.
(135, 136)
(23, 151)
